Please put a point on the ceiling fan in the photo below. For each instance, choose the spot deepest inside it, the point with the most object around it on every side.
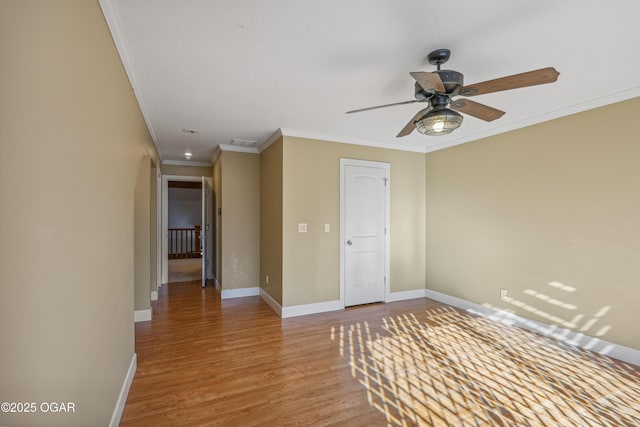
(437, 88)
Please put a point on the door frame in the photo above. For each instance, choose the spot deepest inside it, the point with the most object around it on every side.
(158, 248)
(344, 162)
(206, 231)
(165, 218)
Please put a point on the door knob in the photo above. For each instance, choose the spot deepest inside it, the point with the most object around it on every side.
(349, 243)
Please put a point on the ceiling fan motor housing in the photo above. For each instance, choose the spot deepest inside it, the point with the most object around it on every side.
(438, 102)
(452, 81)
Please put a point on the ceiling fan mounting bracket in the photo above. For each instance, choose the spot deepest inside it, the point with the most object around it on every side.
(439, 57)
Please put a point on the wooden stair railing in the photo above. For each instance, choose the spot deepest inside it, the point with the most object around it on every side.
(184, 242)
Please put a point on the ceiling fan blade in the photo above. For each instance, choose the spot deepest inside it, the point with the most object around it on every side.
(385, 105)
(475, 109)
(409, 127)
(530, 78)
(429, 81)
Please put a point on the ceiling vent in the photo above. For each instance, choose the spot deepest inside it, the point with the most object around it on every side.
(243, 143)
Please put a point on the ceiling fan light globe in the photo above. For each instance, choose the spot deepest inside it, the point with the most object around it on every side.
(439, 122)
(438, 126)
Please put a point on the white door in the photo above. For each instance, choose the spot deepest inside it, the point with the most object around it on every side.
(204, 229)
(364, 215)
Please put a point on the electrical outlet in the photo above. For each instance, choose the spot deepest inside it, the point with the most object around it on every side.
(327, 228)
(266, 279)
(503, 294)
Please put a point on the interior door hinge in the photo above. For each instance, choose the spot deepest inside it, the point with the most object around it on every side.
(385, 280)
(385, 181)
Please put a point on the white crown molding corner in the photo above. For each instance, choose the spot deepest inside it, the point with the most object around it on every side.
(124, 392)
(271, 140)
(216, 154)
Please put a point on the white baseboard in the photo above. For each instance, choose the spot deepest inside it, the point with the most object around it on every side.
(271, 302)
(142, 315)
(617, 351)
(240, 292)
(124, 392)
(322, 307)
(299, 310)
(405, 295)
(154, 295)
(318, 307)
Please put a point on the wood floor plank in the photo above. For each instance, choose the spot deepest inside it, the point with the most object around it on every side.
(207, 362)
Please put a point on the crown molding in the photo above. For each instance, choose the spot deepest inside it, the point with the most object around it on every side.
(271, 140)
(552, 115)
(216, 154)
(112, 16)
(185, 163)
(296, 133)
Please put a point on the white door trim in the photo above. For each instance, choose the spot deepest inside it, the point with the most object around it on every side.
(366, 163)
(165, 218)
(206, 230)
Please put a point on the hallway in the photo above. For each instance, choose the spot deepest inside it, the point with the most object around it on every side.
(203, 361)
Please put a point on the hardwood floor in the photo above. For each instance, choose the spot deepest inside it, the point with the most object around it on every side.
(184, 269)
(203, 361)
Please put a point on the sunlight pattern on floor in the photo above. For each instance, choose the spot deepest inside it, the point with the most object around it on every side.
(451, 368)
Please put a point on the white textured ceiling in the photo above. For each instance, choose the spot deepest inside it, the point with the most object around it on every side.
(243, 69)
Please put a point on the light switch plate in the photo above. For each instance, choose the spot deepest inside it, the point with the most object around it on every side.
(302, 228)
(327, 228)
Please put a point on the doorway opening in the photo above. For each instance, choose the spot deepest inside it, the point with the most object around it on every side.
(186, 230)
(184, 225)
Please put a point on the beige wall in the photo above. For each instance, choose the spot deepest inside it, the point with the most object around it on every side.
(553, 203)
(240, 220)
(186, 170)
(71, 141)
(271, 220)
(311, 194)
